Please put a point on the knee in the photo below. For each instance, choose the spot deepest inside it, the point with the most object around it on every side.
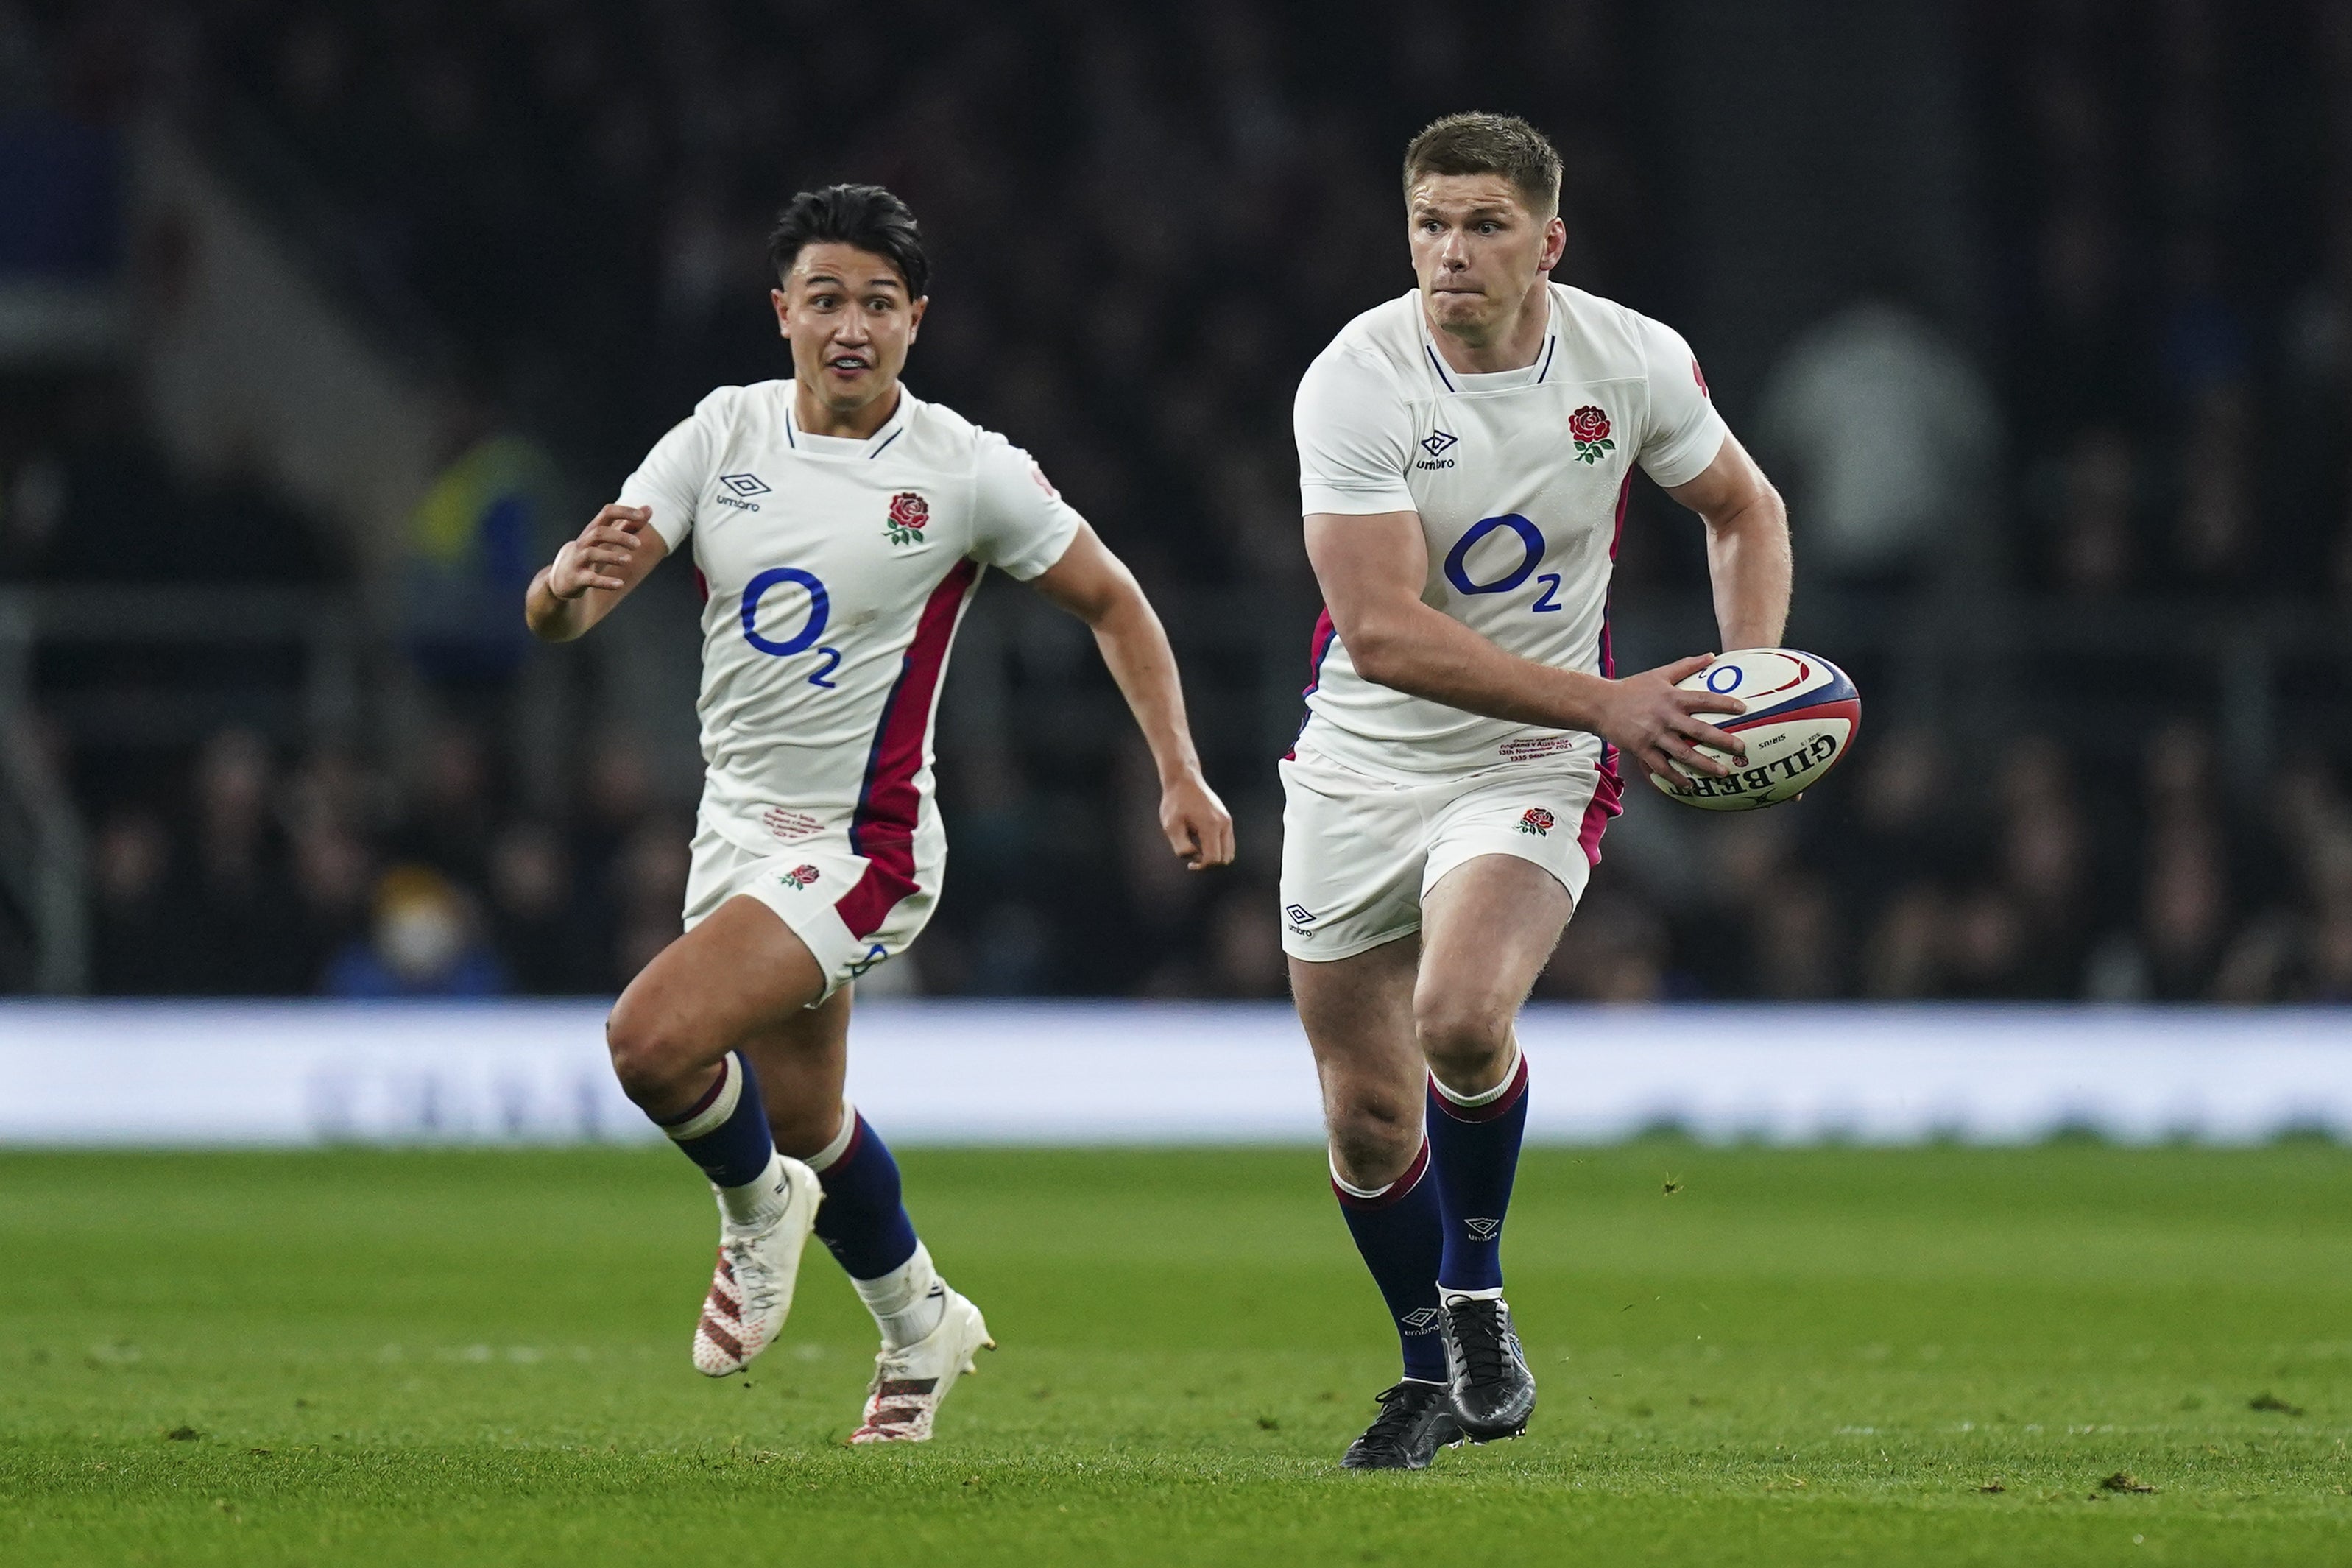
(1465, 1039)
(1374, 1134)
(650, 1053)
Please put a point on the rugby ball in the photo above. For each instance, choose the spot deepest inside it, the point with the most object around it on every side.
(1803, 716)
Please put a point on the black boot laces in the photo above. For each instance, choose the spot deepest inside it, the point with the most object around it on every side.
(1479, 1335)
(1400, 1408)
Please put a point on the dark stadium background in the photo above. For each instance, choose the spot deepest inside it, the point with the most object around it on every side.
(2039, 313)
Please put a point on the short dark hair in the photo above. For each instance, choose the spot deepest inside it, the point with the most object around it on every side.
(1489, 144)
(866, 217)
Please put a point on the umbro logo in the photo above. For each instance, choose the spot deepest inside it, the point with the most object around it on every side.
(1437, 442)
(1482, 1229)
(744, 484)
(1299, 915)
(1420, 1320)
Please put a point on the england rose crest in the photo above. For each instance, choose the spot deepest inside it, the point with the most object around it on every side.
(1589, 429)
(908, 513)
(801, 876)
(1538, 821)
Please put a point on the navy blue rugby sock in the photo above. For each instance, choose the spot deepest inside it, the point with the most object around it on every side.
(1474, 1144)
(1398, 1230)
(726, 1131)
(862, 1220)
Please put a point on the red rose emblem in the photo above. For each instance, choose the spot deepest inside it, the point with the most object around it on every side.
(908, 510)
(1538, 821)
(1588, 424)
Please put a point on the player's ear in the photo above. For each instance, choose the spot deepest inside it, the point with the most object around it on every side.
(1555, 243)
(915, 316)
(783, 312)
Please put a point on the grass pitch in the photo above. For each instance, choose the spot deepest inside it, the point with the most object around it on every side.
(1935, 1355)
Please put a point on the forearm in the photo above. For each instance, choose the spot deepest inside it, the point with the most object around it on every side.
(1424, 653)
(1135, 650)
(1748, 561)
(551, 619)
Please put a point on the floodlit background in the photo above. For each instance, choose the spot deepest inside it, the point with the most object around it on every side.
(320, 325)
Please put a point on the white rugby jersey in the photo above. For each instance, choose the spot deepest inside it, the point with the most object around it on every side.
(1520, 479)
(834, 572)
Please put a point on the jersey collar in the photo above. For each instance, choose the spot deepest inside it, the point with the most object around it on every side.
(843, 448)
(1534, 375)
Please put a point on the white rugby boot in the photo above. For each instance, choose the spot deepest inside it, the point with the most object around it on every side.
(751, 1288)
(910, 1383)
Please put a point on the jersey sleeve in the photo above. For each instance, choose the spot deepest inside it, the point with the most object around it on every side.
(1685, 432)
(1020, 524)
(675, 474)
(1355, 438)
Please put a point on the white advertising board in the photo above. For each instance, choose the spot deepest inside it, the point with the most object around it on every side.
(295, 1074)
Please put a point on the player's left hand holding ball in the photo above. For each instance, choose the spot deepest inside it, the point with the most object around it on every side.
(1199, 828)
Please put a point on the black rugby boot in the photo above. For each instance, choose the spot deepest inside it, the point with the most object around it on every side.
(1416, 1419)
(1494, 1393)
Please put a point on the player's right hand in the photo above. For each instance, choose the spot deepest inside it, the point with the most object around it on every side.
(610, 539)
(1656, 723)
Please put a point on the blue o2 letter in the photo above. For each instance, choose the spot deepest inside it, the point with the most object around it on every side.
(820, 609)
(1531, 541)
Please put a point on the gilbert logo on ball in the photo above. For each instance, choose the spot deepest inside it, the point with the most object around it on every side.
(1802, 717)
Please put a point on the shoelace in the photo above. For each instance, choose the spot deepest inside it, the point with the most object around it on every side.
(1478, 1333)
(1394, 1423)
(754, 1280)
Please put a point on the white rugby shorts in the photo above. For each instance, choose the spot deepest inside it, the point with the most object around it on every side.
(852, 911)
(1360, 852)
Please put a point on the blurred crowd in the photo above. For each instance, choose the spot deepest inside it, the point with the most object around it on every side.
(287, 875)
(2169, 195)
(2037, 879)
(1143, 223)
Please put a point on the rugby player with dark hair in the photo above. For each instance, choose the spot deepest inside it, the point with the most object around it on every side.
(840, 526)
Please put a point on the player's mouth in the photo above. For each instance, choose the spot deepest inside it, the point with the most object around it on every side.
(848, 364)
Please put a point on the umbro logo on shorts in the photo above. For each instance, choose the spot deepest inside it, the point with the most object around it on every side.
(1299, 915)
(1482, 1229)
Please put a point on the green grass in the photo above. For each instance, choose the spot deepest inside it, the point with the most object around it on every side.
(1800, 1357)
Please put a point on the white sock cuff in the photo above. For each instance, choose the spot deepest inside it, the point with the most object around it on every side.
(1365, 1195)
(1348, 1187)
(825, 1158)
(1488, 1096)
(1449, 1296)
(902, 1286)
(714, 1115)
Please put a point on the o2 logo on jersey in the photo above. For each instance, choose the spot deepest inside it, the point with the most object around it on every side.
(820, 611)
(1532, 546)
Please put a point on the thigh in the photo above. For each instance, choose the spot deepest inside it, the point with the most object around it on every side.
(1488, 928)
(739, 971)
(803, 1060)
